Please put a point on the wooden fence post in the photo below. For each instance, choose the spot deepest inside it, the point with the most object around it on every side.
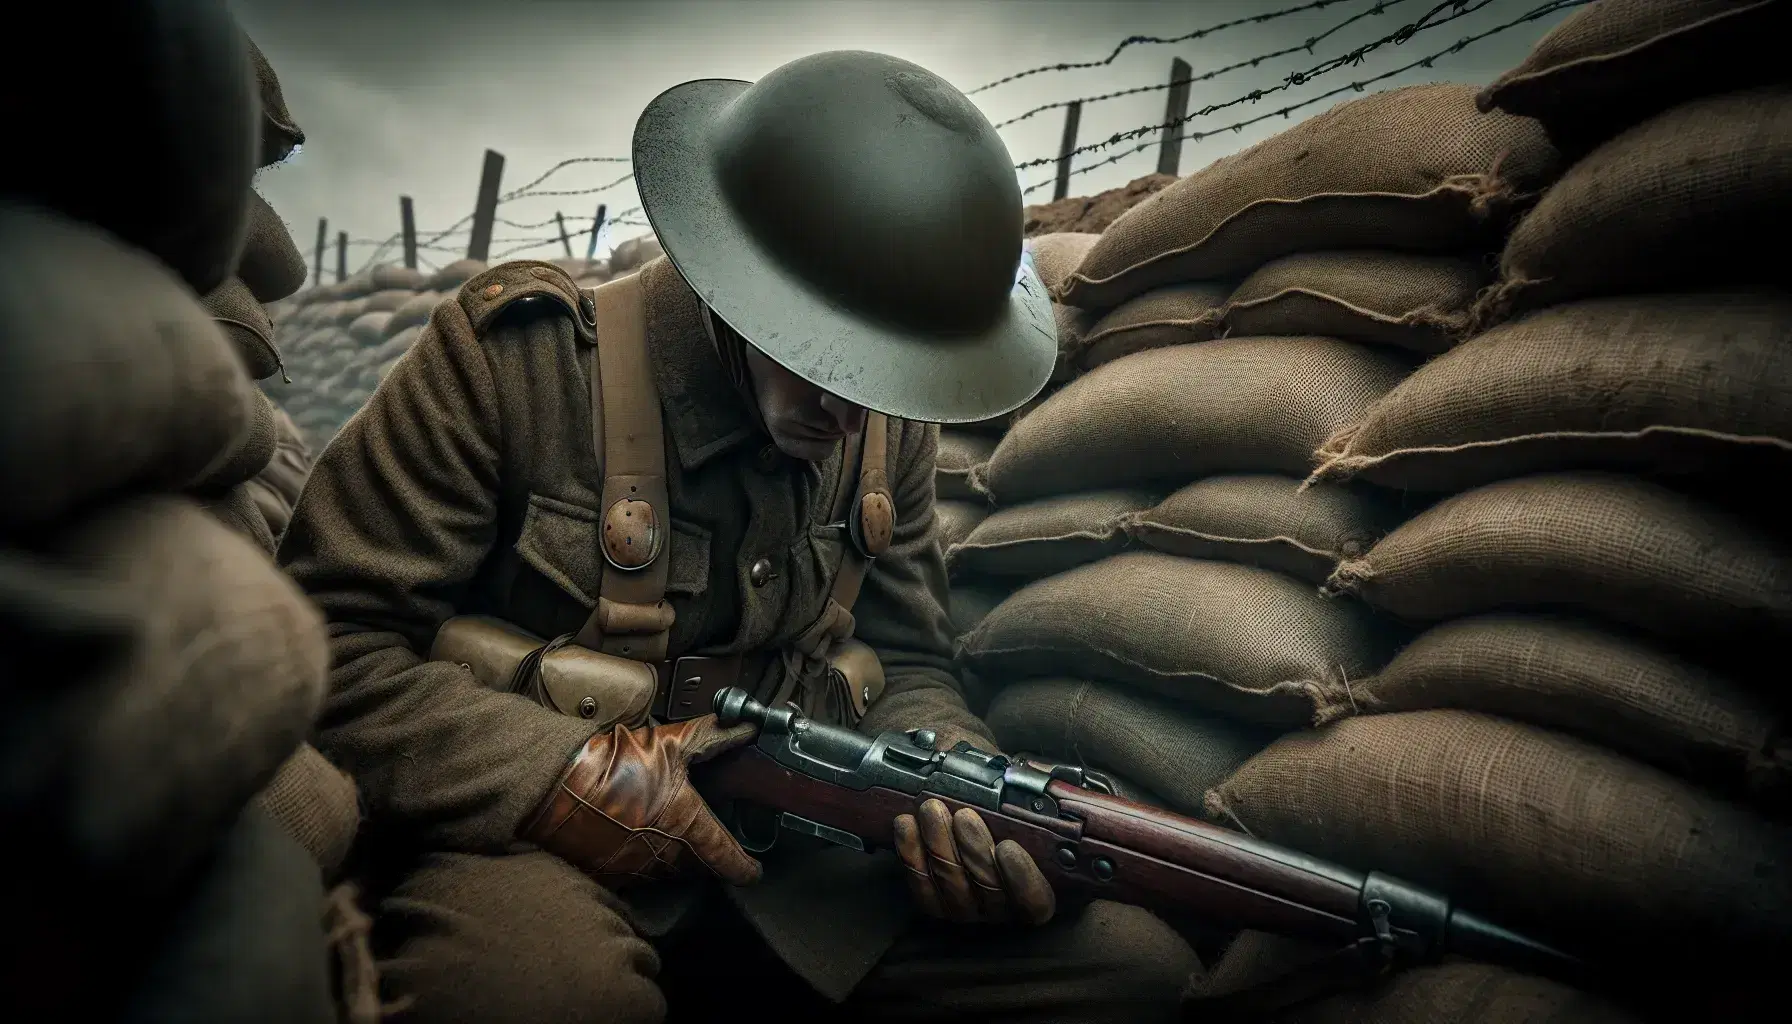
(323, 234)
(597, 224)
(410, 231)
(1072, 115)
(565, 239)
(1170, 153)
(341, 256)
(485, 211)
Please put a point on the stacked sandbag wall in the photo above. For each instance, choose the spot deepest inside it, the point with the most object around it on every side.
(1163, 562)
(1586, 739)
(340, 340)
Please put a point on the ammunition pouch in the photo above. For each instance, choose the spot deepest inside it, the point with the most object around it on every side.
(557, 674)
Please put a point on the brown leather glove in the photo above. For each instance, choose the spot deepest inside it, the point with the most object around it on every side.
(959, 873)
(956, 869)
(626, 810)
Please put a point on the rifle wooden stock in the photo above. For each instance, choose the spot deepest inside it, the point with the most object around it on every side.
(1097, 847)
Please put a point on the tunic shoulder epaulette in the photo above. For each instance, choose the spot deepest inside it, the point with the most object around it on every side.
(488, 295)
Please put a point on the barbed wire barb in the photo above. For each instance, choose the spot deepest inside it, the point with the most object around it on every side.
(1131, 41)
(1358, 86)
(1207, 76)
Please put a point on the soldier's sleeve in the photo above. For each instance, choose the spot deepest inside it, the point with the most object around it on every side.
(901, 612)
(397, 516)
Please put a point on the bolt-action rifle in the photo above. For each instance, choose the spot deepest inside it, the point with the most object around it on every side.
(848, 788)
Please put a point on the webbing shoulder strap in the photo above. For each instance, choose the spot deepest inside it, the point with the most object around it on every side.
(871, 516)
(870, 522)
(632, 618)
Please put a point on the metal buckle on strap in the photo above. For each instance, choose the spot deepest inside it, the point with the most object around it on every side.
(689, 689)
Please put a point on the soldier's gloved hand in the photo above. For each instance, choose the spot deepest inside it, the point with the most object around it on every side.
(959, 873)
(957, 870)
(626, 810)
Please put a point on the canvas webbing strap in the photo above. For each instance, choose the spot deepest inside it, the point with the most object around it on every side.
(632, 618)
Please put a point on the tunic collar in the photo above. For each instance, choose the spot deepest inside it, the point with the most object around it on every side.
(705, 415)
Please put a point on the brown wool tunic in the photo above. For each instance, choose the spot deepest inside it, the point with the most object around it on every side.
(468, 484)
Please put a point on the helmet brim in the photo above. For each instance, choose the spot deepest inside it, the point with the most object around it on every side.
(901, 372)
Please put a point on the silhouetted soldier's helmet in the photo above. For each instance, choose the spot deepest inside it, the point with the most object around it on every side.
(158, 146)
(280, 134)
(857, 219)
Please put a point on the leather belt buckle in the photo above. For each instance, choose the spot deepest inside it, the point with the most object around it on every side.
(690, 690)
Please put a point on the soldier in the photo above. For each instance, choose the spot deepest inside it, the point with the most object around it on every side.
(701, 467)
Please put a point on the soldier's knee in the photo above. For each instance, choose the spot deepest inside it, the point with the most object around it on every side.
(524, 938)
(1133, 948)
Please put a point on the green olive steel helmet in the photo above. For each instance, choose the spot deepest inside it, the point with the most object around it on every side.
(857, 219)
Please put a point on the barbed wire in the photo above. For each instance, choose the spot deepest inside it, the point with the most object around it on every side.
(555, 239)
(1207, 76)
(577, 191)
(1397, 37)
(1130, 41)
(520, 191)
(1430, 19)
(1358, 86)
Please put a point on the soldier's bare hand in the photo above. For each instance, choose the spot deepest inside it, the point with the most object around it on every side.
(959, 873)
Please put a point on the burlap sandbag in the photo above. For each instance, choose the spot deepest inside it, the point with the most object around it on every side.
(1620, 548)
(1176, 754)
(110, 378)
(395, 277)
(1614, 690)
(958, 451)
(369, 329)
(142, 761)
(239, 511)
(1173, 414)
(1173, 315)
(247, 326)
(350, 310)
(1050, 535)
(996, 426)
(318, 806)
(413, 313)
(1612, 64)
(971, 602)
(271, 264)
(1268, 520)
(1653, 382)
(452, 276)
(249, 455)
(1072, 325)
(1239, 641)
(1674, 203)
(358, 285)
(1416, 169)
(388, 300)
(1533, 827)
(1377, 297)
(956, 520)
(1056, 255)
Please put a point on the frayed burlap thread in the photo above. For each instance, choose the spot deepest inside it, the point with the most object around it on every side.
(1417, 169)
(1660, 383)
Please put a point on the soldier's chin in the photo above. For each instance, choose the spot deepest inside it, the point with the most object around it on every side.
(803, 447)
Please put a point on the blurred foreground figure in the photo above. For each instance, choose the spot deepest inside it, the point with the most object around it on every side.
(567, 517)
(156, 669)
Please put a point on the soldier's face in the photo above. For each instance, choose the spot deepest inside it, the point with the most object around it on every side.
(805, 422)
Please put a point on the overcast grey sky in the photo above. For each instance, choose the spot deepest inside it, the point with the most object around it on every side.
(403, 96)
